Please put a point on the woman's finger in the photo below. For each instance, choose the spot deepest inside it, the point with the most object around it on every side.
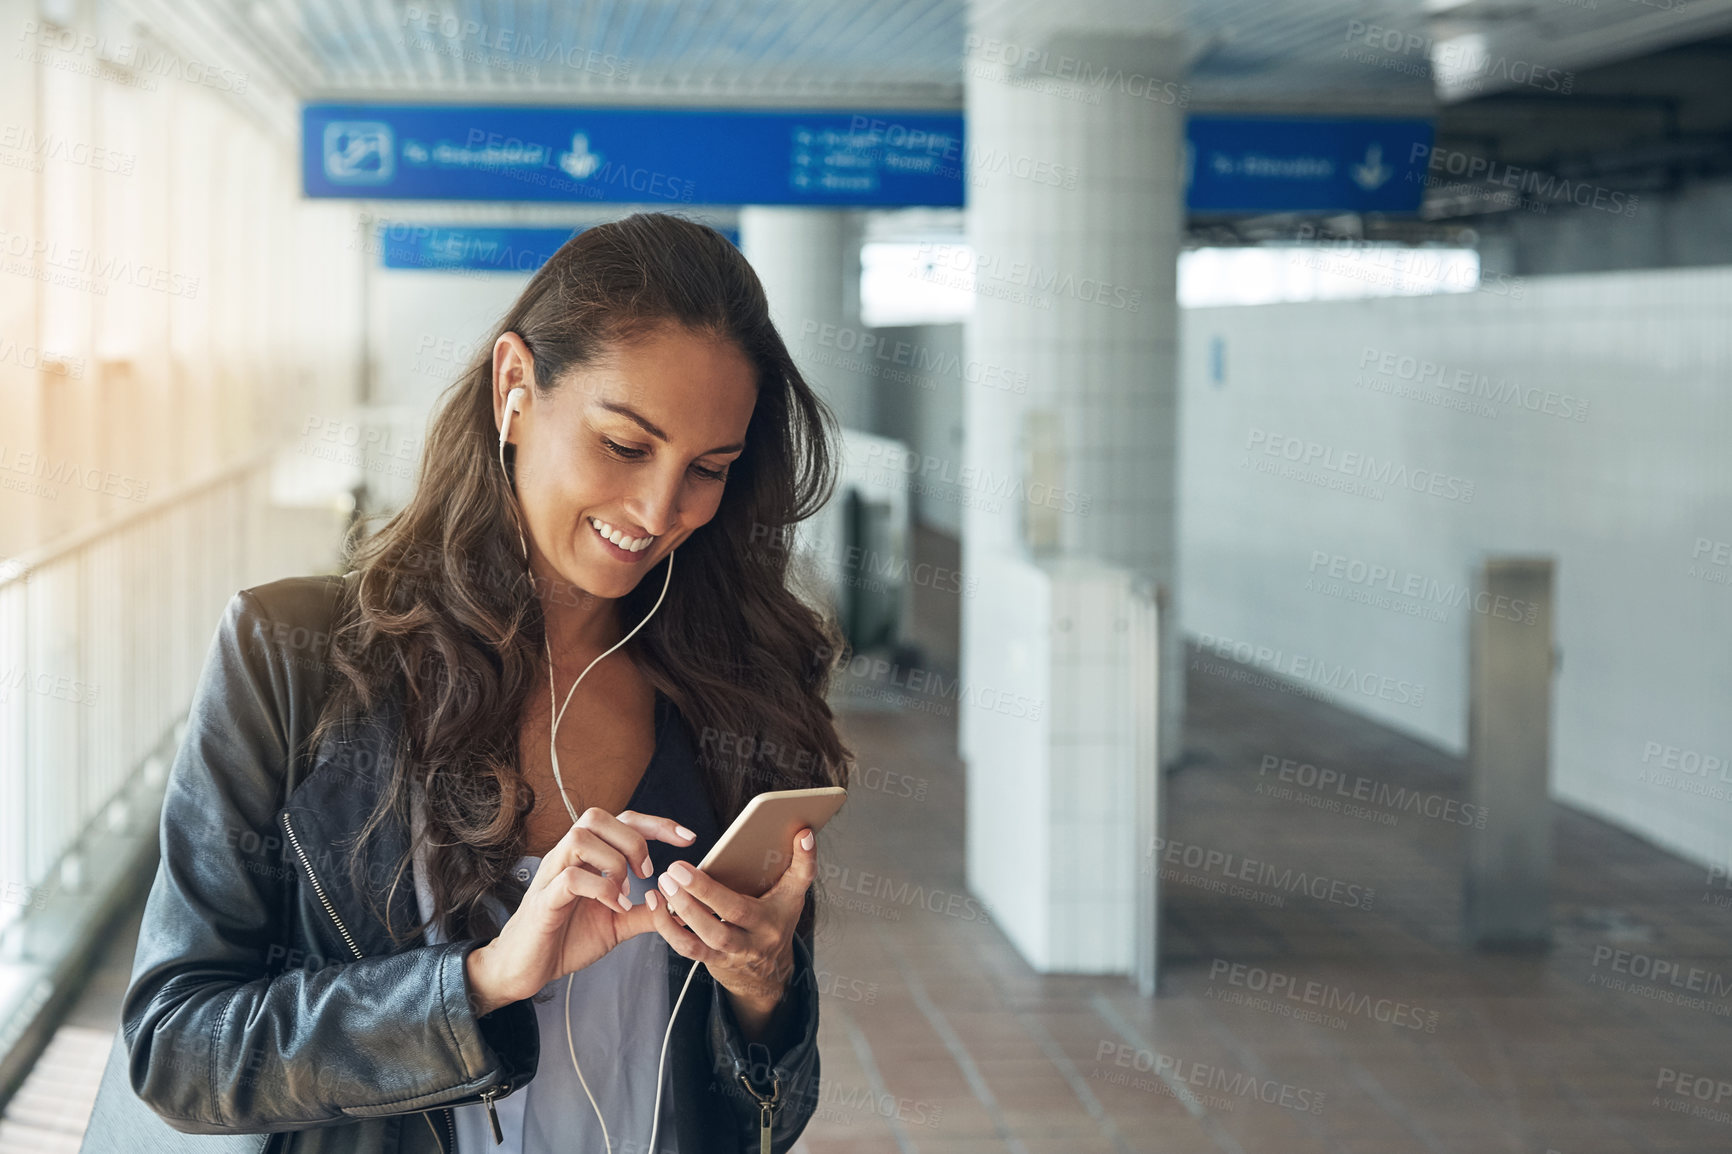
(727, 904)
(699, 918)
(664, 829)
(553, 861)
(585, 847)
(788, 896)
(685, 943)
(641, 920)
(611, 845)
(574, 882)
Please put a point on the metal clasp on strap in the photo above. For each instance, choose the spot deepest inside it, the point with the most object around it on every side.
(766, 1108)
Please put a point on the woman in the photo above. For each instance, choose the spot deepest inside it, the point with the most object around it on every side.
(471, 815)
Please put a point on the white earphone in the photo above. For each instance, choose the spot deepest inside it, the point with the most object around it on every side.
(514, 404)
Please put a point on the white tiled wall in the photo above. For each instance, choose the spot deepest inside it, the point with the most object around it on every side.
(1052, 801)
(1009, 830)
(1622, 498)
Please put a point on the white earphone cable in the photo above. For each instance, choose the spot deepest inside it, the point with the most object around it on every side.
(553, 753)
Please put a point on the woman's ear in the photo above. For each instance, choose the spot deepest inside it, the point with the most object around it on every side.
(513, 368)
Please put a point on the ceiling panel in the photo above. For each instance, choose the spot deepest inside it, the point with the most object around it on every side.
(1394, 56)
(613, 50)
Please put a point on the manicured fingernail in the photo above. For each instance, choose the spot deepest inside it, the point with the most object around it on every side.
(682, 872)
(683, 831)
(624, 904)
(648, 867)
(654, 902)
(806, 840)
(669, 885)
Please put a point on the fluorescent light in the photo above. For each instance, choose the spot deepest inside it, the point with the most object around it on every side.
(1458, 64)
(1272, 274)
(913, 283)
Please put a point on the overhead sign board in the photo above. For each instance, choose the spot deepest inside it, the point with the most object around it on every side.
(414, 245)
(408, 244)
(632, 156)
(1242, 164)
(1234, 164)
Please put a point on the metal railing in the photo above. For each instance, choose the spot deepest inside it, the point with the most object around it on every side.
(102, 637)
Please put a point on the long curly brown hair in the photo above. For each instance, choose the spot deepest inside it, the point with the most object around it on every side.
(442, 627)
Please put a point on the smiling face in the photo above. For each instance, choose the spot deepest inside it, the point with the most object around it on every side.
(637, 445)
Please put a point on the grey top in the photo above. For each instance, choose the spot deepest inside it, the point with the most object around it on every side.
(619, 1014)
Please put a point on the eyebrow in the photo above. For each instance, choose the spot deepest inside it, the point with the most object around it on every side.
(652, 430)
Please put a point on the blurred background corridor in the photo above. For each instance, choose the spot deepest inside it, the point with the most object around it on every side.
(1284, 540)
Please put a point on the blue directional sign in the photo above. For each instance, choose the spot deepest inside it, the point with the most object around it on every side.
(410, 244)
(1294, 164)
(632, 156)
(1235, 164)
(407, 244)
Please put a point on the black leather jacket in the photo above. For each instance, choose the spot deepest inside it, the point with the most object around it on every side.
(265, 999)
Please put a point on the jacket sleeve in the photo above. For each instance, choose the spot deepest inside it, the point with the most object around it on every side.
(217, 1044)
(786, 1068)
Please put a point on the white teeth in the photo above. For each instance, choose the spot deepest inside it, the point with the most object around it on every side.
(631, 544)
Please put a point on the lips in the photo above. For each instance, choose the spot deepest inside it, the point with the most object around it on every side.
(630, 546)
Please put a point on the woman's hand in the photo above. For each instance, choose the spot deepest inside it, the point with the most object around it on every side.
(575, 909)
(747, 943)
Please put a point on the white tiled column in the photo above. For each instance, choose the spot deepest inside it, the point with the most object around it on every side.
(809, 262)
(1075, 123)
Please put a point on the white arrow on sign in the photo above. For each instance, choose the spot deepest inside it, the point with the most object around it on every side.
(1371, 173)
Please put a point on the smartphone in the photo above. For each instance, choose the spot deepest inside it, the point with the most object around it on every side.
(751, 855)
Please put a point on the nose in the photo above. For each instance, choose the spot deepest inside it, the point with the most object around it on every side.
(655, 504)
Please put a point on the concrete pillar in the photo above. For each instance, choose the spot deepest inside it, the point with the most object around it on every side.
(1075, 132)
(1506, 895)
(1075, 287)
(809, 261)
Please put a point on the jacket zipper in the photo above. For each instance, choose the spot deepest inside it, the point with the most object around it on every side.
(317, 888)
(766, 1109)
(486, 1095)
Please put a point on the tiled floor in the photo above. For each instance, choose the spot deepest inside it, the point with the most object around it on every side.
(938, 1038)
(1405, 1041)
(48, 1113)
